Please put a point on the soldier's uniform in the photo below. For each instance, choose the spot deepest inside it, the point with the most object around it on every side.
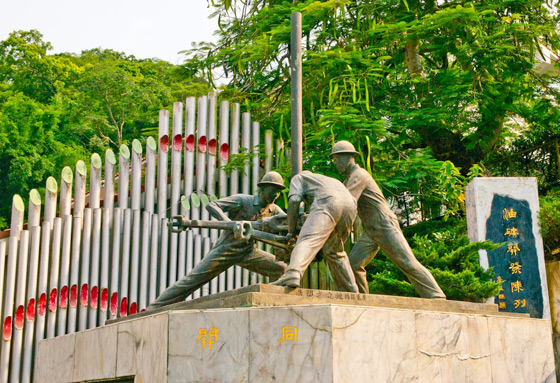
(228, 251)
(328, 225)
(382, 230)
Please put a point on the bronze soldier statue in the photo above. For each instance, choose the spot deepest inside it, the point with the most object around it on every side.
(229, 250)
(327, 227)
(381, 227)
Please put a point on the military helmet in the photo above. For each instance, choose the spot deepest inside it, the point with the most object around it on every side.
(272, 178)
(343, 147)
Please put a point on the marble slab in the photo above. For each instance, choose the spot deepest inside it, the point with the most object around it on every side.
(55, 360)
(95, 354)
(142, 349)
(203, 342)
(306, 344)
(291, 344)
(374, 343)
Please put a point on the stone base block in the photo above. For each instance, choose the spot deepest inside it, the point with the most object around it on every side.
(305, 343)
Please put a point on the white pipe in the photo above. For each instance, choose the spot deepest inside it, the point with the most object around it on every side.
(212, 152)
(223, 154)
(66, 179)
(234, 147)
(153, 259)
(109, 180)
(103, 292)
(95, 181)
(134, 261)
(8, 314)
(19, 318)
(31, 308)
(34, 214)
(50, 200)
(144, 262)
(202, 123)
(255, 173)
(245, 178)
(79, 189)
(94, 269)
(64, 275)
(190, 145)
(52, 302)
(150, 178)
(124, 171)
(136, 175)
(197, 257)
(163, 135)
(112, 258)
(18, 211)
(84, 270)
(77, 226)
(163, 256)
(3, 265)
(125, 262)
(175, 184)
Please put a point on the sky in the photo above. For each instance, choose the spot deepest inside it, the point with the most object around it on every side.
(145, 29)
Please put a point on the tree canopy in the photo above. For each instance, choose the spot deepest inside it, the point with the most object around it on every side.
(58, 108)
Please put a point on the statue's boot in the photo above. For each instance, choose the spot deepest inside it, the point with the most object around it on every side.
(290, 278)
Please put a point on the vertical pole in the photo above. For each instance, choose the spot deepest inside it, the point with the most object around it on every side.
(163, 283)
(144, 262)
(115, 260)
(296, 94)
(109, 180)
(18, 209)
(255, 173)
(235, 273)
(3, 265)
(162, 163)
(64, 275)
(150, 179)
(136, 175)
(94, 268)
(80, 189)
(223, 179)
(268, 150)
(279, 149)
(30, 311)
(77, 223)
(66, 180)
(107, 219)
(124, 170)
(50, 200)
(34, 215)
(186, 257)
(84, 282)
(190, 252)
(153, 259)
(17, 337)
(134, 261)
(8, 314)
(201, 159)
(197, 257)
(246, 144)
(95, 181)
(53, 277)
(175, 184)
(124, 262)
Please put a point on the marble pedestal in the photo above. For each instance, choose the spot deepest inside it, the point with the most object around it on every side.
(314, 338)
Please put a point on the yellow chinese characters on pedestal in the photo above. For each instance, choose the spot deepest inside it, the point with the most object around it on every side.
(507, 214)
(520, 303)
(288, 333)
(512, 232)
(513, 248)
(516, 287)
(207, 336)
(515, 268)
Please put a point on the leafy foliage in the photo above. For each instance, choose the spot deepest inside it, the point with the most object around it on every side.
(444, 248)
(56, 109)
(549, 220)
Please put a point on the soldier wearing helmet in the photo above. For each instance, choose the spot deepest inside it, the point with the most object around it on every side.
(228, 250)
(381, 227)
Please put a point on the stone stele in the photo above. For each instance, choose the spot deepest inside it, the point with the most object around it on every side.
(266, 333)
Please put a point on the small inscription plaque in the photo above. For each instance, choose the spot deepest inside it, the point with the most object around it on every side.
(516, 263)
